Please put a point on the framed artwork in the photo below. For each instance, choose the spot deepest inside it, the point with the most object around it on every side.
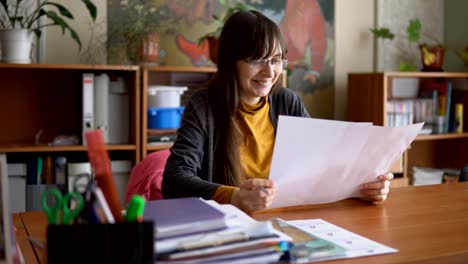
(308, 26)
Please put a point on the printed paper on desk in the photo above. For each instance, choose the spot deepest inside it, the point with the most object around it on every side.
(320, 161)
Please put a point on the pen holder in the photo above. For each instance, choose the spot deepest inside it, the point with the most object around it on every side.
(128, 242)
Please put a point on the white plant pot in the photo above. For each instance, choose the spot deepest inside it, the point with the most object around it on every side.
(16, 45)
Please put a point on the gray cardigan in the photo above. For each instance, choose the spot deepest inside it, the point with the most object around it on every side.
(189, 168)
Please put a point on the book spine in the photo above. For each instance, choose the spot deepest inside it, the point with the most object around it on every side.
(458, 118)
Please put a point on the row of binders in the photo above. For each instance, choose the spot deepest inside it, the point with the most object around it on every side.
(193, 230)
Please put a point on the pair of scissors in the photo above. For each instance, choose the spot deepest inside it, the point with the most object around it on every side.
(61, 206)
(85, 185)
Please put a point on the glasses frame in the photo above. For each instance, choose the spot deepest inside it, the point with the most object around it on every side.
(264, 62)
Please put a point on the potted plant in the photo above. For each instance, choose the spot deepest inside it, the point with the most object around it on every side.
(211, 39)
(134, 36)
(432, 50)
(19, 19)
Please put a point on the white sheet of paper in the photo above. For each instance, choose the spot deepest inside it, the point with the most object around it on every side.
(320, 161)
(355, 245)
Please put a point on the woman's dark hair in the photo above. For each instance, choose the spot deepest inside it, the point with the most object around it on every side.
(245, 35)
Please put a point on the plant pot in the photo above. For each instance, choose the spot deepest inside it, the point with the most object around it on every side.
(213, 49)
(432, 57)
(16, 45)
(149, 48)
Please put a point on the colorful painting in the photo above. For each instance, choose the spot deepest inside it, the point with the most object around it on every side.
(308, 26)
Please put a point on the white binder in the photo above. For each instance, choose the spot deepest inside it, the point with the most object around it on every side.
(101, 104)
(88, 102)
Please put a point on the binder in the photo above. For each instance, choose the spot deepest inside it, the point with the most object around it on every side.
(88, 102)
(119, 106)
(101, 104)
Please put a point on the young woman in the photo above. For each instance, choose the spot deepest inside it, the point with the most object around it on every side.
(224, 145)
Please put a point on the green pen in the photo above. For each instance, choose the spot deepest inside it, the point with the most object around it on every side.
(135, 209)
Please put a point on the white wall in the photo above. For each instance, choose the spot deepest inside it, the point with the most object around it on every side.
(354, 46)
(63, 49)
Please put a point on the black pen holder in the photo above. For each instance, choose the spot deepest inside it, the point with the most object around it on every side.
(129, 242)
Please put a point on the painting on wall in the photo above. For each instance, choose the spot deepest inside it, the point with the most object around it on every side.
(308, 26)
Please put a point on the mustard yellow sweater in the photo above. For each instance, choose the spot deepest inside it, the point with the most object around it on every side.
(257, 149)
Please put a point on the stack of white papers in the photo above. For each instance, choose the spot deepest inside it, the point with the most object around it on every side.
(321, 161)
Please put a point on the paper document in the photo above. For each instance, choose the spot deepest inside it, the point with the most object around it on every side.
(320, 161)
(355, 245)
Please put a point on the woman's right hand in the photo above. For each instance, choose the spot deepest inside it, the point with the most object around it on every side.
(254, 195)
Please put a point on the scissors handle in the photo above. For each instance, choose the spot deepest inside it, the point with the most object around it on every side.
(54, 211)
(69, 214)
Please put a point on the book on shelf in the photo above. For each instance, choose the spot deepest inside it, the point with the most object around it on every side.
(183, 216)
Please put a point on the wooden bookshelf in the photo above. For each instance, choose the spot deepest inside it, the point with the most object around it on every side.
(368, 94)
(193, 77)
(48, 98)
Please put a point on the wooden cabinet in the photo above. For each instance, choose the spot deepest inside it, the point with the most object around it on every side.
(39, 102)
(192, 77)
(368, 96)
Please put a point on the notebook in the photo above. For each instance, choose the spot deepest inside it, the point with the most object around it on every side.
(183, 216)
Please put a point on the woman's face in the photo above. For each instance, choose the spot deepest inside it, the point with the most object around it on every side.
(257, 77)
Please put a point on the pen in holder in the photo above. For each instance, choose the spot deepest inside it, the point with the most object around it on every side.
(126, 242)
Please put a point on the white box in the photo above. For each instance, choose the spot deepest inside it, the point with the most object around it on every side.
(165, 96)
(405, 87)
(17, 186)
(121, 172)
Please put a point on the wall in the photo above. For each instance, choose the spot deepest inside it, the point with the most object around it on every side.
(60, 48)
(354, 46)
(396, 14)
(456, 33)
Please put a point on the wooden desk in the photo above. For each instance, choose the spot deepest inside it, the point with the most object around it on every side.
(427, 224)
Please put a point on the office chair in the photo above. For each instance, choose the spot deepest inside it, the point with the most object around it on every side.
(146, 177)
(463, 174)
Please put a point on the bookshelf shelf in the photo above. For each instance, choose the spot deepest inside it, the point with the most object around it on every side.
(48, 98)
(45, 148)
(441, 136)
(193, 77)
(39, 102)
(369, 95)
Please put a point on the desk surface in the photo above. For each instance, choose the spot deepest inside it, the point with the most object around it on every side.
(427, 224)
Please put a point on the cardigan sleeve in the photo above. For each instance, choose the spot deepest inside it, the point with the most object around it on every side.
(186, 172)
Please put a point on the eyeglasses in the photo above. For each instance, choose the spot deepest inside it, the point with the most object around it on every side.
(274, 62)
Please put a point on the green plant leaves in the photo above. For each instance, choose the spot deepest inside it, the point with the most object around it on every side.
(383, 32)
(28, 19)
(414, 30)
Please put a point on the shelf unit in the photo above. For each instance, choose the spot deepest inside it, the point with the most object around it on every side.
(193, 77)
(48, 98)
(41, 101)
(368, 94)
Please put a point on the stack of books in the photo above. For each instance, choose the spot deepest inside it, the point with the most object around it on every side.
(192, 230)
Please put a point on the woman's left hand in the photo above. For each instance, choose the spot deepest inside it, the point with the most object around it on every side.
(377, 191)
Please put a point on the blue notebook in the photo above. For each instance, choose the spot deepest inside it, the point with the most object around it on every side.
(182, 216)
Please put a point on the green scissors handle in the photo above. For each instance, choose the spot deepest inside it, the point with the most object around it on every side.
(61, 205)
(68, 215)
